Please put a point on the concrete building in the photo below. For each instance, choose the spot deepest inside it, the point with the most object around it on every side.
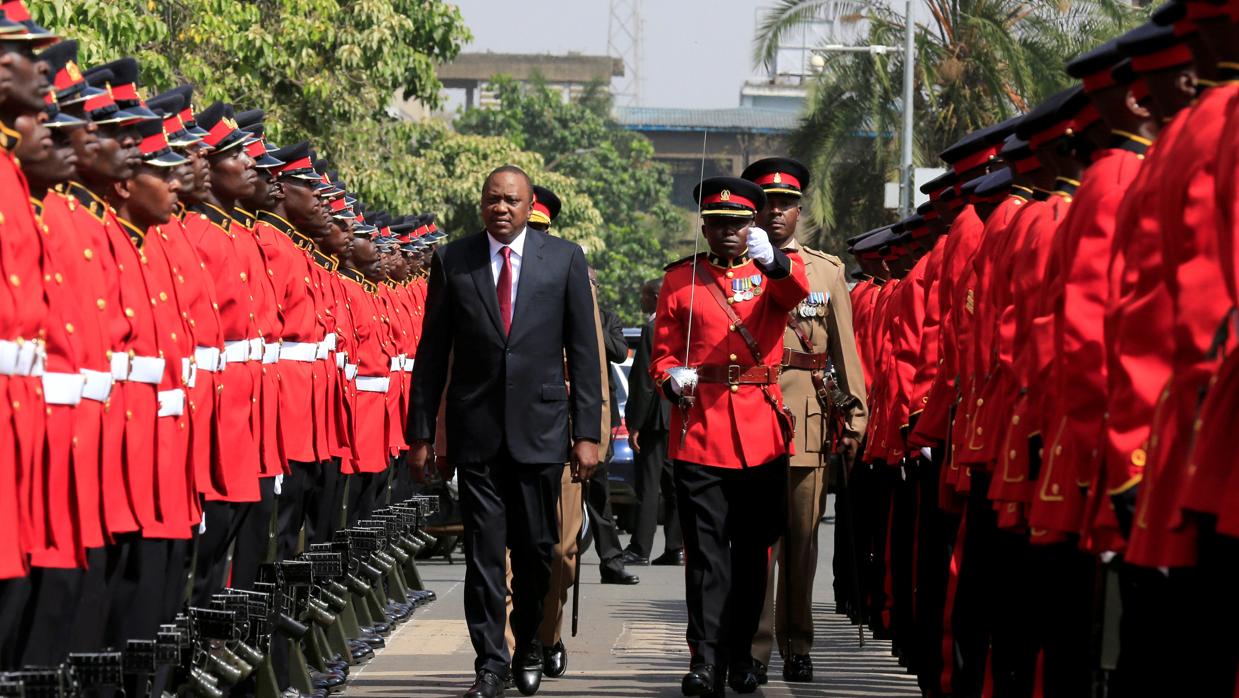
(570, 73)
(733, 138)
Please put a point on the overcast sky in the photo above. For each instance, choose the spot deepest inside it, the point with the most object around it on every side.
(695, 53)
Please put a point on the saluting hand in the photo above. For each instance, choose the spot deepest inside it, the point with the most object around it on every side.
(760, 248)
(584, 460)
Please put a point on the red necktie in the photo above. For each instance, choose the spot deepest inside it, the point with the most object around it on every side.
(504, 288)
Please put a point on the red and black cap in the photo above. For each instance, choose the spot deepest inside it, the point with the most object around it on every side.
(1019, 156)
(250, 120)
(123, 85)
(876, 243)
(154, 146)
(297, 164)
(993, 187)
(916, 226)
(778, 176)
(170, 106)
(68, 83)
(729, 196)
(1052, 119)
(1153, 48)
(855, 240)
(1094, 69)
(545, 206)
(978, 148)
(100, 108)
(256, 147)
(1174, 14)
(222, 132)
(937, 185)
(15, 12)
(186, 115)
(1206, 10)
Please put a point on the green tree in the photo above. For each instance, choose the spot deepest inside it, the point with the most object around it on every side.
(324, 70)
(614, 167)
(977, 62)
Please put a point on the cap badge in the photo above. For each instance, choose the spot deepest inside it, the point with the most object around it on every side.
(725, 195)
(778, 178)
(72, 69)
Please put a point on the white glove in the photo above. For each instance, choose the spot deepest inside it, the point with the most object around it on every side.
(927, 453)
(760, 248)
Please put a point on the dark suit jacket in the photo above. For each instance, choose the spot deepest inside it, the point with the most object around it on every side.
(508, 391)
(647, 409)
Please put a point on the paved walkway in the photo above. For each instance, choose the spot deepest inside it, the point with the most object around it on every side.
(631, 643)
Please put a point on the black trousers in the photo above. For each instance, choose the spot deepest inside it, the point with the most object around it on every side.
(253, 541)
(298, 497)
(936, 538)
(601, 519)
(224, 522)
(138, 582)
(972, 622)
(903, 542)
(46, 619)
(364, 492)
(655, 480)
(14, 594)
(1065, 581)
(325, 511)
(507, 506)
(730, 519)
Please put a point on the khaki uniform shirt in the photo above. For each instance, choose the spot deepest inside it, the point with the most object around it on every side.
(827, 320)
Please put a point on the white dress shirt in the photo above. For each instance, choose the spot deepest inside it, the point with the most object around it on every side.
(496, 260)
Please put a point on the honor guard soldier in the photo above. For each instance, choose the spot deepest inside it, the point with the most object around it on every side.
(819, 353)
(718, 347)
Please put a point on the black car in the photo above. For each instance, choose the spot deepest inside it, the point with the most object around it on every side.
(620, 470)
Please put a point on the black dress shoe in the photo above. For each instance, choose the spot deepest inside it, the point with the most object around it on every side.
(798, 668)
(631, 557)
(670, 558)
(487, 685)
(527, 671)
(742, 678)
(613, 572)
(554, 660)
(701, 681)
(763, 676)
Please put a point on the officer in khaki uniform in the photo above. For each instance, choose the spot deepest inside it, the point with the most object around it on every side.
(569, 512)
(821, 339)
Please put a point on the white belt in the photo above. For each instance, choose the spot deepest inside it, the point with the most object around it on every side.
(305, 352)
(21, 358)
(120, 366)
(350, 371)
(397, 363)
(256, 349)
(146, 369)
(330, 341)
(62, 388)
(97, 385)
(189, 372)
(341, 359)
(373, 384)
(237, 351)
(270, 353)
(408, 364)
(209, 359)
(171, 403)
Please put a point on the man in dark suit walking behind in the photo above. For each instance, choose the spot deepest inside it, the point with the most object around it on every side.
(505, 308)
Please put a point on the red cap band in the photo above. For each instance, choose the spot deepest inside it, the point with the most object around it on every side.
(336, 205)
(67, 77)
(969, 162)
(1206, 10)
(125, 92)
(16, 11)
(1087, 117)
(539, 206)
(1041, 138)
(302, 164)
(931, 215)
(1027, 165)
(1099, 81)
(218, 133)
(1169, 57)
(153, 143)
(730, 199)
(103, 100)
(778, 178)
(256, 149)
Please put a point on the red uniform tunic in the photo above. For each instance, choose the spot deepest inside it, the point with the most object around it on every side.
(301, 409)
(968, 227)
(862, 310)
(1187, 217)
(1213, 484)
(371, 354)
(23, 305)
(726, 428)
(255, 245)
(1138, 335)
(877, 446)
(906, 351)
(90, 218)
(931, 326)
(1072, 434)
(197, 299)
(238, 385)
(89, 290)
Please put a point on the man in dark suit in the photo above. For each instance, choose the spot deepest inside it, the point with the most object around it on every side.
(648, 415)
(504, 308)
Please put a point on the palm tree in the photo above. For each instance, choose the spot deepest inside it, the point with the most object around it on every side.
(977, 62)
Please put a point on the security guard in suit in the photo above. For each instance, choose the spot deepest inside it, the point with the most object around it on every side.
(818, 340)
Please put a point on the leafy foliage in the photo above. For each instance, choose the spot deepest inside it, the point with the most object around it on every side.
(614, 168)
(977, 62)
(325, 70)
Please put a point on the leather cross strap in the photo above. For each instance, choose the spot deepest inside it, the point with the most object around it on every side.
(787, 422)
(738, 375)
(804, 361)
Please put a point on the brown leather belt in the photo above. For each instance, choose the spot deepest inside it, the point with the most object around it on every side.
(803, 360)
(739, 375)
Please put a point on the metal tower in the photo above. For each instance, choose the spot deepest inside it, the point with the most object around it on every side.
(624, 43)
